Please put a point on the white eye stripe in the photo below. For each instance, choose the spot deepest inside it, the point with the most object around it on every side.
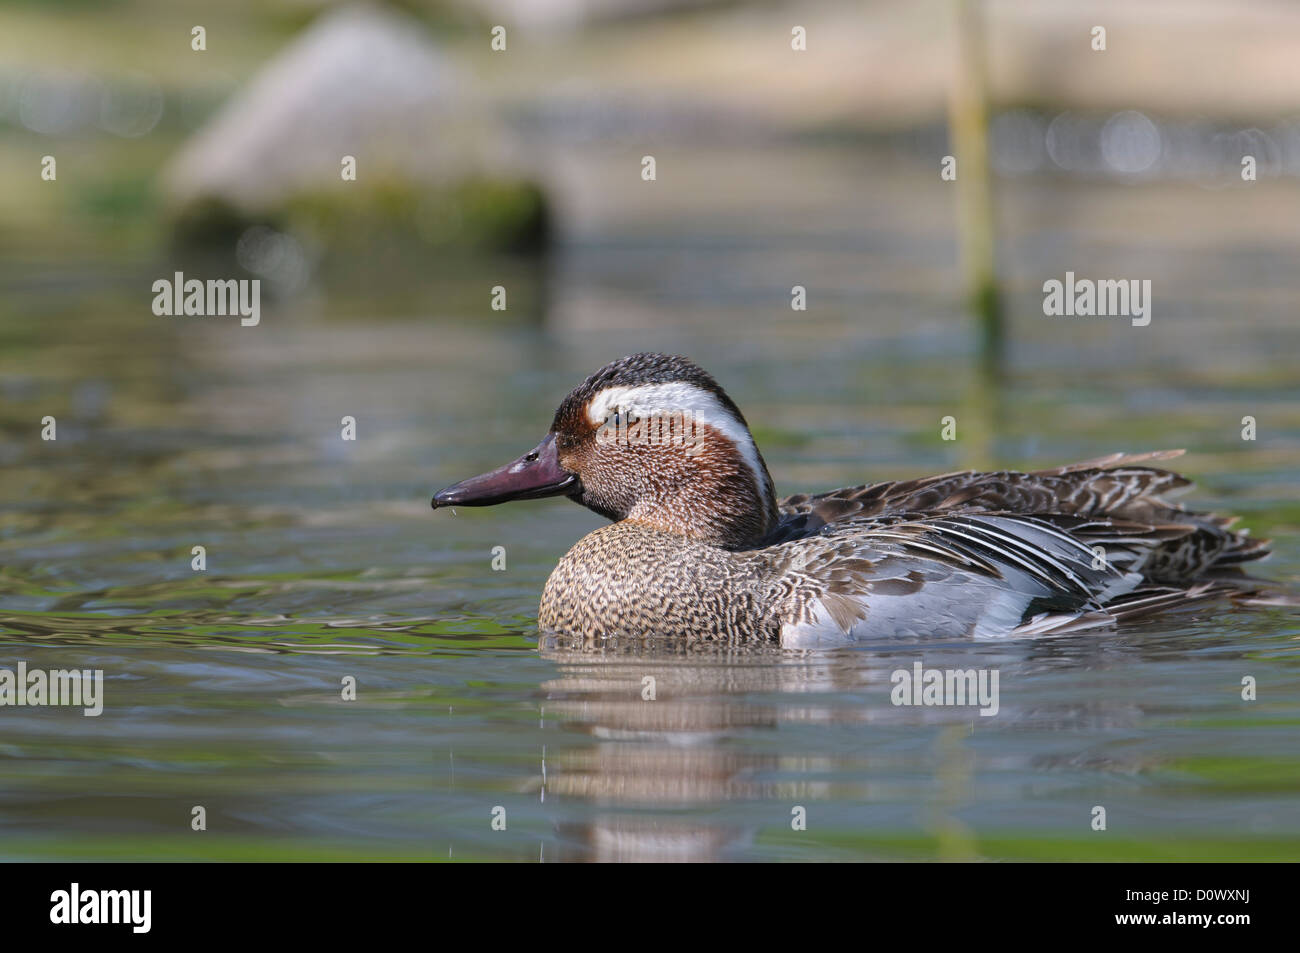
(647, 400)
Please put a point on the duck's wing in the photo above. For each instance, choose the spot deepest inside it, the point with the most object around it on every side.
(1114, 495)
(1112, 460)
(961, 576)
(1104, 486)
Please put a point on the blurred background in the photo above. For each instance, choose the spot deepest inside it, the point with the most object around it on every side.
(522, 168)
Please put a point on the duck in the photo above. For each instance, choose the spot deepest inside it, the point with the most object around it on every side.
(700, 548)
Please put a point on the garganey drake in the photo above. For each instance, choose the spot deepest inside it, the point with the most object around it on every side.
(701, 548)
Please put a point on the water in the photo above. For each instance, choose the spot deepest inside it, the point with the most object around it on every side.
(223, 687)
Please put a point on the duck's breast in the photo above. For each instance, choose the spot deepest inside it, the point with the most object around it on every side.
(628, 580)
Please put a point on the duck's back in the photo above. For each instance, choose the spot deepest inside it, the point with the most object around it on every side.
(1004, 553)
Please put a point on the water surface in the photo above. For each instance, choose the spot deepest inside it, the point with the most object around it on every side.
(324, 560)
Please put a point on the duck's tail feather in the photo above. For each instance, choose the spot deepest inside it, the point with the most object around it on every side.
(1138, 604)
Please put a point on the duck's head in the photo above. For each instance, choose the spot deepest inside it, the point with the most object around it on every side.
(650, 438)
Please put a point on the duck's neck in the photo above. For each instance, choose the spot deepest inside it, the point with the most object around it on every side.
(726, 504)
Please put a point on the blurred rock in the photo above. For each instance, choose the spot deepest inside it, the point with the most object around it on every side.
(367, 82)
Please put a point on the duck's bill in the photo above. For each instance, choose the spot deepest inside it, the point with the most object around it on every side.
(534, 475)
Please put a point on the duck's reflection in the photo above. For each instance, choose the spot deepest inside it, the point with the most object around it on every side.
(666, 725)
(691, 752)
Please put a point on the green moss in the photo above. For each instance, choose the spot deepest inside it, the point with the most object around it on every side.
(478, 215)
(130, 196)
(507, 216)
(210, 223)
